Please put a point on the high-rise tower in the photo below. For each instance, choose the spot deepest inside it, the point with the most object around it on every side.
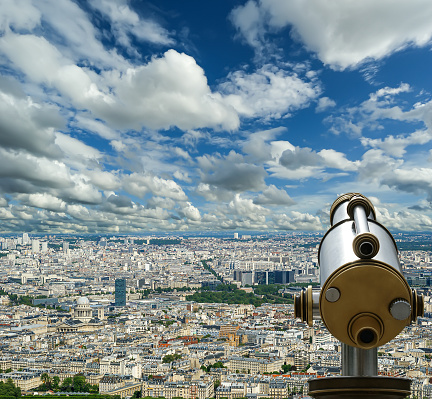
(120, 292)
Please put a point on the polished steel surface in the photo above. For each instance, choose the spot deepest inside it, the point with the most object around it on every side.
(339, 211)
(315, 305)
(336, 248)
(360, 219)
(358, 362)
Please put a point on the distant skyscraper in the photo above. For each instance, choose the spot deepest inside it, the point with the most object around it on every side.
(120, 292)
(65, 246)
(44, 246)
(35, 246)
(235, 236)
(25, 239)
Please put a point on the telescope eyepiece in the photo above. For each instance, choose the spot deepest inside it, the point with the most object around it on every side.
(366, 248)
(366, 336)
(365, 245)
(366, 330)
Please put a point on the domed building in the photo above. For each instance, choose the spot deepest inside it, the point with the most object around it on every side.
(81, 319)
(82, 310)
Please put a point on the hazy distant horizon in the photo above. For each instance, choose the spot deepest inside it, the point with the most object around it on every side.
(205, 234)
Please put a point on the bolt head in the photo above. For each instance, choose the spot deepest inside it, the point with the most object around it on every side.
(332, 294)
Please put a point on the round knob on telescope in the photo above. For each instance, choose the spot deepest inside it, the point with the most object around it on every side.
(400, 309)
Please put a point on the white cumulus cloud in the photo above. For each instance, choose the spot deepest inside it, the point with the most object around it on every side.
(125, 23)
(269, 92)
(342, 33)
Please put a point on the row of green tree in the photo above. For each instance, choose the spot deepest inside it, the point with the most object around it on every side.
(25, 300)
(270, 292)
(77, 383)
(17, 299)
(86, 396)
(286, 368)
(236, 297)
(221, 287)
(210, 269)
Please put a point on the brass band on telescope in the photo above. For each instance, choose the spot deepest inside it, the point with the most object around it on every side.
(303, 309)
(347, 197)
(359, 200)
(417, 306)
(303, 304)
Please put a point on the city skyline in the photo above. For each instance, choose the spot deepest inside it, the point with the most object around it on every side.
(127, 117)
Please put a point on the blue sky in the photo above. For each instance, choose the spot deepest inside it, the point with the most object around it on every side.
(135, 116)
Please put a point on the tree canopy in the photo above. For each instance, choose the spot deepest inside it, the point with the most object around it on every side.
(8, 389)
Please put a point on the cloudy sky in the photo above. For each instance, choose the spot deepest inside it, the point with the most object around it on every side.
(137, 116)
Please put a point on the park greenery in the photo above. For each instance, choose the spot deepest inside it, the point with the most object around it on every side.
(229, 293)
(77, 383)
(286, 368)
(217, 365)
(18, 300)
(171, 358)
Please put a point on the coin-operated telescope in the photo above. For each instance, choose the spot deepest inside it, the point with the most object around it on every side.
(364, 300)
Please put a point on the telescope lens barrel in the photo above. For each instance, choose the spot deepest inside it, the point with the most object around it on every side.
(360, 219)
(366, 330)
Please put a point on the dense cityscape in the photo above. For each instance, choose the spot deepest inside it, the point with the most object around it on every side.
(190, 317)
